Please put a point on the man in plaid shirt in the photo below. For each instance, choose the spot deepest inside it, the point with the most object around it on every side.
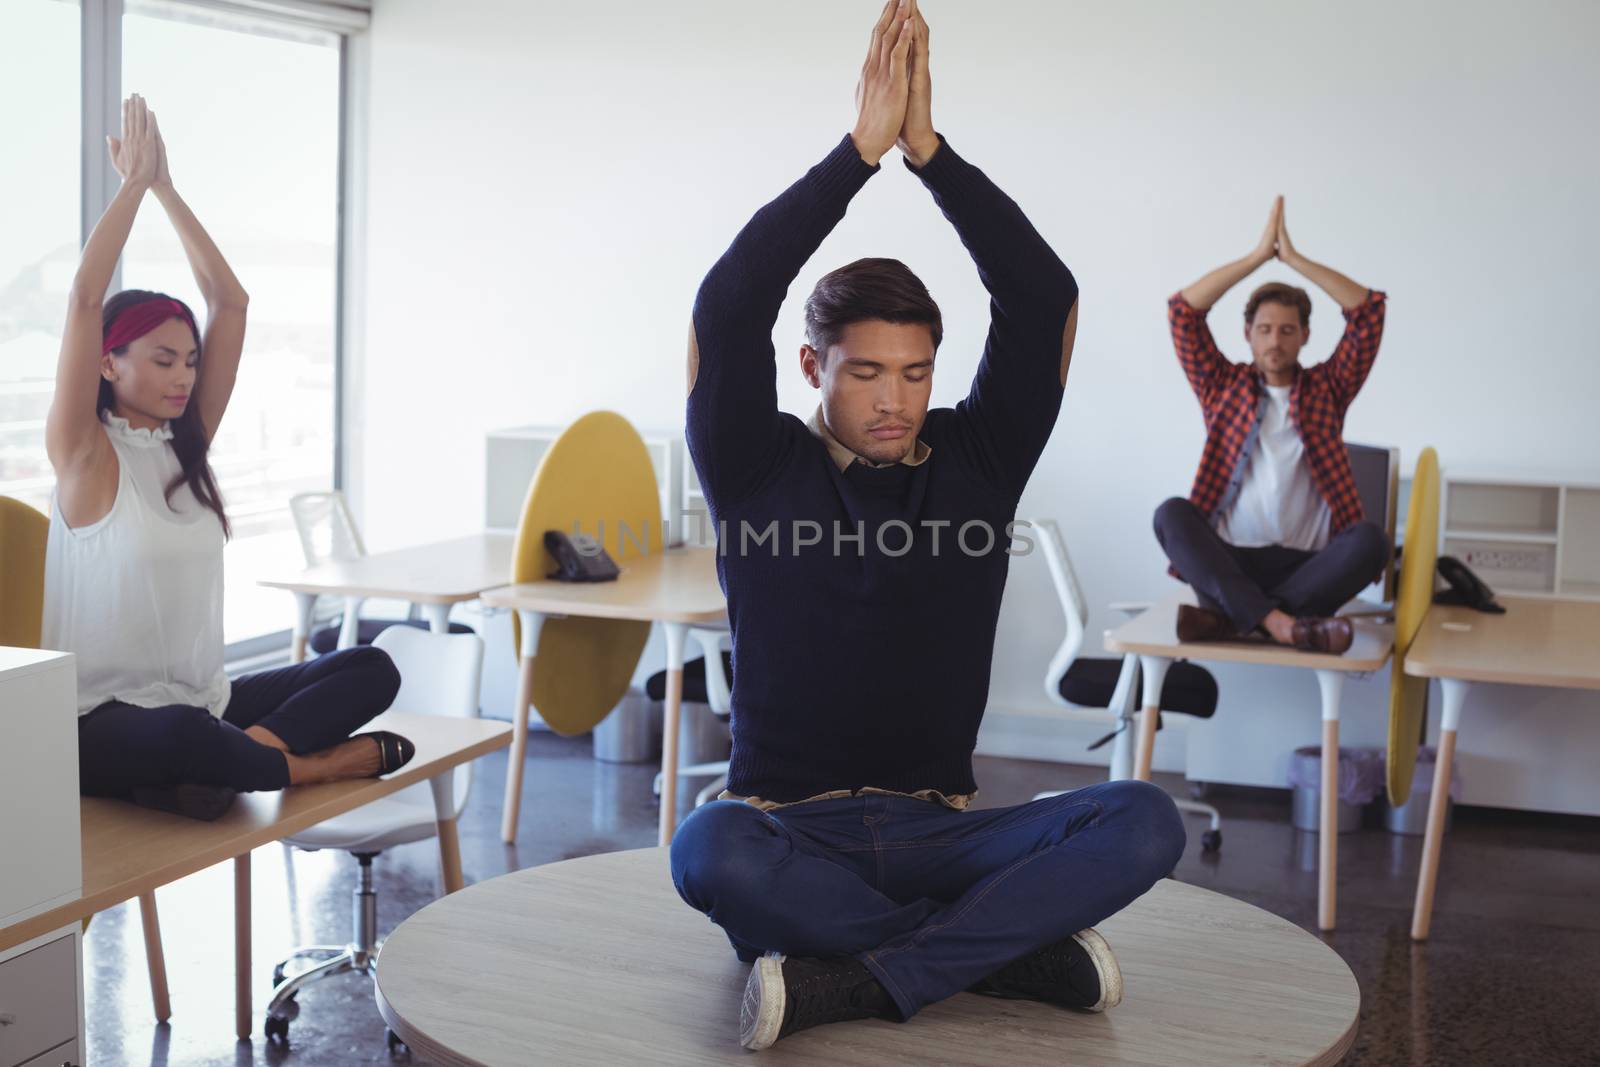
(1272, 536)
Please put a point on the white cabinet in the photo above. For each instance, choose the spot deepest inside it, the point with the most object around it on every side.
(38, 783)
(41, 988)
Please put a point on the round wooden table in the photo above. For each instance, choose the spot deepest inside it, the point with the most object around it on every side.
(597, 961)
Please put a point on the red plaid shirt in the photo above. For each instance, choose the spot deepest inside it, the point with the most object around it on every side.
(1231, 398)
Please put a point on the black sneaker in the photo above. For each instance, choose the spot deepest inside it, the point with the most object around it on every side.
(1079, 972)
(787, 994)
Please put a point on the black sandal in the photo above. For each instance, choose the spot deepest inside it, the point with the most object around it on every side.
(394, 751)
(207, 803)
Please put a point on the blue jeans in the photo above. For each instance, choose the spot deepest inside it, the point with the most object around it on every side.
(930, 899)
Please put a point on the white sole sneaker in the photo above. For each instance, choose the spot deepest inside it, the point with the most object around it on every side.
(1105, 967)
(761, 1011)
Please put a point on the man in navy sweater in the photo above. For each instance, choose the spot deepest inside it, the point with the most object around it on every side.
(863, 557)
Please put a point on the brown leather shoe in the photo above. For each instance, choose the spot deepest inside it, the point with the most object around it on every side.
(1201, 624)
(1332, 636)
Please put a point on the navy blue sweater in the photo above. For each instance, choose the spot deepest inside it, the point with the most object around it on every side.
(864, 661)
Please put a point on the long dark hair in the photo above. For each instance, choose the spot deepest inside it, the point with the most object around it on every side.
(189, 439)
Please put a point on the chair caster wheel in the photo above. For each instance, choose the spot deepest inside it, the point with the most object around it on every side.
(277, 1029)
(1211, 841)
(395, 1042)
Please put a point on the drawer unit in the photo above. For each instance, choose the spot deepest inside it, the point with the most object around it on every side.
(39, 1002)
(67, 1055)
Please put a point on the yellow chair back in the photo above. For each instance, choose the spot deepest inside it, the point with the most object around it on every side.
(23, 532)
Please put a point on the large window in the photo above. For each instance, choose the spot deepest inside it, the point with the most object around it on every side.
(249, 99)
(39, 205)
(250, 114)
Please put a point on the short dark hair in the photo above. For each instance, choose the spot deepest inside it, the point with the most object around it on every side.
(1279, 293)
(882, 289)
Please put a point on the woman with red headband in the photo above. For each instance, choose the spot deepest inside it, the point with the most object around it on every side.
(133, 572)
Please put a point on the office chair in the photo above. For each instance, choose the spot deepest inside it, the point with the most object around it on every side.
(327, 532)
(440, 675)
(707, 680)
(1105, 682)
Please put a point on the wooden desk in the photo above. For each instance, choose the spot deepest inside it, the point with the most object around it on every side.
(597, 961)
(432, 576)
(1153, 636)
(1551, 643)
(129, 850)
(677, 588)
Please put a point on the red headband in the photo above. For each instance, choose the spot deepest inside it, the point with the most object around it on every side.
(140, 319)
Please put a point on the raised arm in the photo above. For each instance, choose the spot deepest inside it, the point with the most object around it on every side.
(1033, 298)
(1364, 311)
(1349, 294)
(73, 439)
(733, 425)
(226, 300)
(1202, 361)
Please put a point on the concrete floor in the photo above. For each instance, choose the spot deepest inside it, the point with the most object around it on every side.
(1508, 977)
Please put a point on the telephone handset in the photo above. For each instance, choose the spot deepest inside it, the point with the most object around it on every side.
(1466, 588)
(579, 558)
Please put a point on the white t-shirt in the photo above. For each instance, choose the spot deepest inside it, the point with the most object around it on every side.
(1278, 502)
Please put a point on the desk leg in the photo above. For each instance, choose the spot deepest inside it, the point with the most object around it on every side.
(1122, 707)
(155, 959)
(305, 605)
(676, 633)
(444, 813)
(241, 946)
(1154, 670)
(532, 621)
(1455, 695)
(350, 628)
(1332, 685)
(438, 616)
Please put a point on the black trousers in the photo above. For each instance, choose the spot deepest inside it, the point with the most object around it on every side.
(310, 706)
(1246, 583)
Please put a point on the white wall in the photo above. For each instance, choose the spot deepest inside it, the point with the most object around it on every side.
(548, 182)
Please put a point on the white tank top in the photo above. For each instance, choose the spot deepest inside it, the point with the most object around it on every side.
(137, 596)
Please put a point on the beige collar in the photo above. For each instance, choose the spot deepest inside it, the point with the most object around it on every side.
(843, 457)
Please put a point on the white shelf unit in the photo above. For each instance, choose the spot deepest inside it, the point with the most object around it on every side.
(512, 457)
(1528, 534)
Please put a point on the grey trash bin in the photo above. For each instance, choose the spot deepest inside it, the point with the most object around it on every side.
(1360, 777)
(631, 733)
(1411, 818)
(703, 735)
